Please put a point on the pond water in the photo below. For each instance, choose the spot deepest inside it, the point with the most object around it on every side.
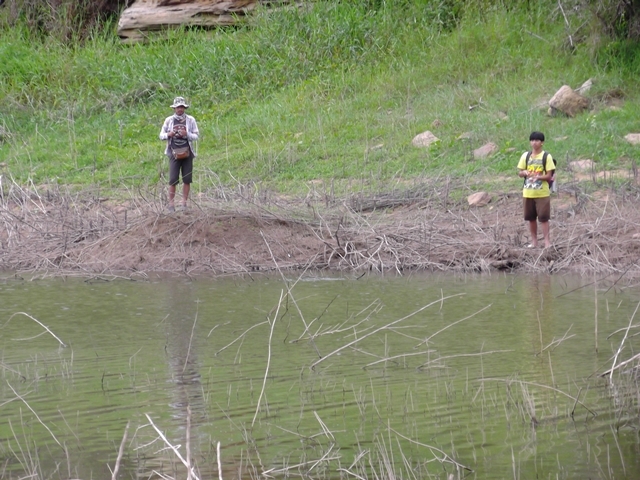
(439, 376)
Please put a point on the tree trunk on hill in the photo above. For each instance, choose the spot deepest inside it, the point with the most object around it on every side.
(620, 18)
(150, 15)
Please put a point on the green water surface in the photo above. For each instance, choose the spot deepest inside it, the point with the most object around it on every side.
(438, 376)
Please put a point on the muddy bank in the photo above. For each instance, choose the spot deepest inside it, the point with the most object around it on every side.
(87, 235)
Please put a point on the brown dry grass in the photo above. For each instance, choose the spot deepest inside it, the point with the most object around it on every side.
(47, 231)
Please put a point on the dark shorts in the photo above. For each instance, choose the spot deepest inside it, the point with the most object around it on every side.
(537, 208)
(180, 166)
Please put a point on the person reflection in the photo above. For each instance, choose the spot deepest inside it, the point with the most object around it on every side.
(181, 327)
(537, 298)
(178, 306)
(538, 307)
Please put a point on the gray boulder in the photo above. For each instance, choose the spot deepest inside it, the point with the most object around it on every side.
(567, 101)
(633, 138)
(424, 139)
(478, 199)
(485, 151)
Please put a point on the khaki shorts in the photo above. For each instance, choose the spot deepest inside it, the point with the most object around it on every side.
(537, 208)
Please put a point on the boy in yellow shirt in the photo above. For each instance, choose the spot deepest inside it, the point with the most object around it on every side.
(537, 168)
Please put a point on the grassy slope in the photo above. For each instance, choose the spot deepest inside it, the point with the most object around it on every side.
(334, 92)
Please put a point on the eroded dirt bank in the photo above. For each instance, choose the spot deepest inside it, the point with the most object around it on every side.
(87, 235)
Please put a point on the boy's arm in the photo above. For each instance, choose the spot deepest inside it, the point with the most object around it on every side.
(546, 177)
(522, 166)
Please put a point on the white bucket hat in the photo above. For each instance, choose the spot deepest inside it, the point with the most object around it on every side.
(179, 102)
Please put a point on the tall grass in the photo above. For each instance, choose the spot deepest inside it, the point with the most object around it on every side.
(332, 91)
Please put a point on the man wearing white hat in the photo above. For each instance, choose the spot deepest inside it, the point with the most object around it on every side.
(179, 131)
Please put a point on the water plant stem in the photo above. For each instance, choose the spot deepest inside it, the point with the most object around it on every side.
(266, 372)
(114, 474)
(39, 323)
(313, 365)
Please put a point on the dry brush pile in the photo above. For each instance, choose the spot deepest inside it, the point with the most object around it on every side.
(53, 231)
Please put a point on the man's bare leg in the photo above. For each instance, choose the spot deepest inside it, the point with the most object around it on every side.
(545, 232)
(172, 194)
(533, 230)
(185, 193)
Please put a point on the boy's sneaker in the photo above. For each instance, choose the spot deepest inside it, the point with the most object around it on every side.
(171, 208)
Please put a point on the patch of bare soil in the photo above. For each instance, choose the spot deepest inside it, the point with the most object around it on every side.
(49, 233)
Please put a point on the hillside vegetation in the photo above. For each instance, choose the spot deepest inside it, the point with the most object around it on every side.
(331, 91)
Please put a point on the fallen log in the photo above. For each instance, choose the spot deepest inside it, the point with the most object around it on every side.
(143, 17)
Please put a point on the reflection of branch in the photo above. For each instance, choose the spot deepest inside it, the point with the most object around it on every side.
(34, 412)
(313, 463)
(219, 461)
(541, 386)
(12, 370)
(243, 334)
(446, 458)
(186, 360)
(266, 372)
(341, 328)
(188, 441)
(462, 355)
(175, 450)
(326, 430)
(382, 328)
(426, 340)
(392, 359)
(39, 323)
(626, 362)
(558, 342)
(114, 475)
(290, 288)
(626, 333)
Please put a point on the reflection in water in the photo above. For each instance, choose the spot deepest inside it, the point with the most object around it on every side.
(181, 353)
(138, 349)
(186, 393)
(537, 309)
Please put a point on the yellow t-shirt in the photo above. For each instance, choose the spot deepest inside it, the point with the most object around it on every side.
(535, 188)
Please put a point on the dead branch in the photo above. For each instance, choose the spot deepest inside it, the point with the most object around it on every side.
(313, 365)
(47, 329)
(114, 475)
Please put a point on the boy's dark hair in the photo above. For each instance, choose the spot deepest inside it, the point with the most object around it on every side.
(536, 136)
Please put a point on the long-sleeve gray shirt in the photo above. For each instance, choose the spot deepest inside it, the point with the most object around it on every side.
(192, 132)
